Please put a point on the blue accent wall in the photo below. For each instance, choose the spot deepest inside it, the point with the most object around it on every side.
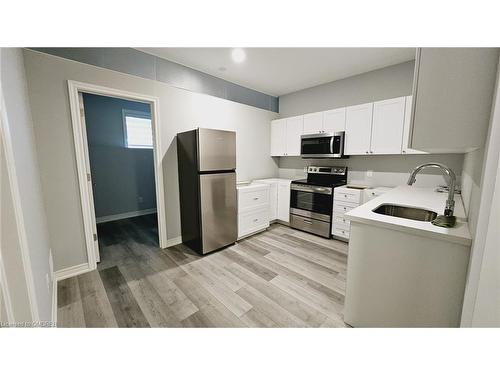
(123, 178)
(141, 64)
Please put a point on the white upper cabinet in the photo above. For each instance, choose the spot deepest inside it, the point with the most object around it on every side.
(334, 120)
(313, 123)
(406, 129)
(285, 136)
(387, 126)
(358, 128)
(452, 90)
(278, 137)
(294, 129)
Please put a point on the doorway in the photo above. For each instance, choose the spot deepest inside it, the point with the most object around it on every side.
(119, 168)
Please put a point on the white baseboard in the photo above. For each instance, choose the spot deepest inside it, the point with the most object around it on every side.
(71, 271)
(125, 215)
(174, 241)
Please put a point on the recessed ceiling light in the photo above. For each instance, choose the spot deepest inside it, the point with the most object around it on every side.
(239, 55)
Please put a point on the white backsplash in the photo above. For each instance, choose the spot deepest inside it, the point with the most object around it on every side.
(380, 170)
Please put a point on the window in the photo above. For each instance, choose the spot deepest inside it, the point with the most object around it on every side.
(137, 129)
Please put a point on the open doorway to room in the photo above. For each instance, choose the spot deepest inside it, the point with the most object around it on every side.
(120, 145)
(119, 172)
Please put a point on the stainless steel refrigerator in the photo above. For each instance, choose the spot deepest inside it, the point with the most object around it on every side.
(207, 188)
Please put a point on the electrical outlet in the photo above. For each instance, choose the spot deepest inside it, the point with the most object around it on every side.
(369, 173)
(140, 199)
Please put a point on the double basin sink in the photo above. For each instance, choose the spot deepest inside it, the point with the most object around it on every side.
(412, 213)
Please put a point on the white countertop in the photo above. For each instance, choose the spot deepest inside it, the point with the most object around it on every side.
(410, 196)
(273, 179)
(250, 186)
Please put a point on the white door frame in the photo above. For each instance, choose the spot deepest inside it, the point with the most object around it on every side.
(82, 159)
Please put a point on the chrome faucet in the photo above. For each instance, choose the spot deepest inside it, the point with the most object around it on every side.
(451, 180)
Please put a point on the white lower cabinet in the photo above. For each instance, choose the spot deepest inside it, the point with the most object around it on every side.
(284, 201)
(344, 200)
(279, 198)
(253, 208)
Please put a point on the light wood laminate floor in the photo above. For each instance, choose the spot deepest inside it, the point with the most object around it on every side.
(278, 278)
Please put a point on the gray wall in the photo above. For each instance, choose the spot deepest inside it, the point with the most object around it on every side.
(385, 83)
(179, 110)
(479, 178)
(123, 178)
(10, 247)
(20, 125)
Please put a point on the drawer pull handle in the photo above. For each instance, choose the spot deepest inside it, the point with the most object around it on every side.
(345, 195)
(307, 221)
(255, 220)
(256, 199)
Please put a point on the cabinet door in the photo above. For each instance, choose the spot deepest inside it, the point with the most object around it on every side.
(387, 126)
(284, 201)
(278, 137)
(334, 120)
(358, 129)
(294, 128)
(273, 201)
(406, 129)
(453, 89)
(313, 123)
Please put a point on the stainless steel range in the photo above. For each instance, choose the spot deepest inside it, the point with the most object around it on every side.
(311, 199)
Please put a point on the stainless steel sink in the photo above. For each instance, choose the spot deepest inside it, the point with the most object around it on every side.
(411, 213)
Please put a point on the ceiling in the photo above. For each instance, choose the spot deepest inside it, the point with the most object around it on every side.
(279, 71)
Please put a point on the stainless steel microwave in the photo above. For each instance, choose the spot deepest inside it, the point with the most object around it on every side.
(322, 145)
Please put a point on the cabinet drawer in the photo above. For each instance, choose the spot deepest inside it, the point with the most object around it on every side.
(347, 195)
(252, 221)
(340, 232)
(340, 220)
(342, 207)
(248, 199)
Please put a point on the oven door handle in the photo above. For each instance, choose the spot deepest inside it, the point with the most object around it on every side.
(311, 189)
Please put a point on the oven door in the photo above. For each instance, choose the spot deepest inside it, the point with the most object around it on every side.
(322, 145)
(311, 201)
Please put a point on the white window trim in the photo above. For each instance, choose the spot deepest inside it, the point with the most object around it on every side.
(138, 114)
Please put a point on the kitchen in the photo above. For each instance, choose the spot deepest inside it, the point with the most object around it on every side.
(266, 165)
(260, 202)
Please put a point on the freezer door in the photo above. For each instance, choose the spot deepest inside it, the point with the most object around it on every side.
(219, 225)
(216, 150)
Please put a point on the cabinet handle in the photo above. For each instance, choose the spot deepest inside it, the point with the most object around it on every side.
(404, 152)
(307, 221)
(345, 195)
(371, 152)
(254, 220)
(367, 152)
(256, 199)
